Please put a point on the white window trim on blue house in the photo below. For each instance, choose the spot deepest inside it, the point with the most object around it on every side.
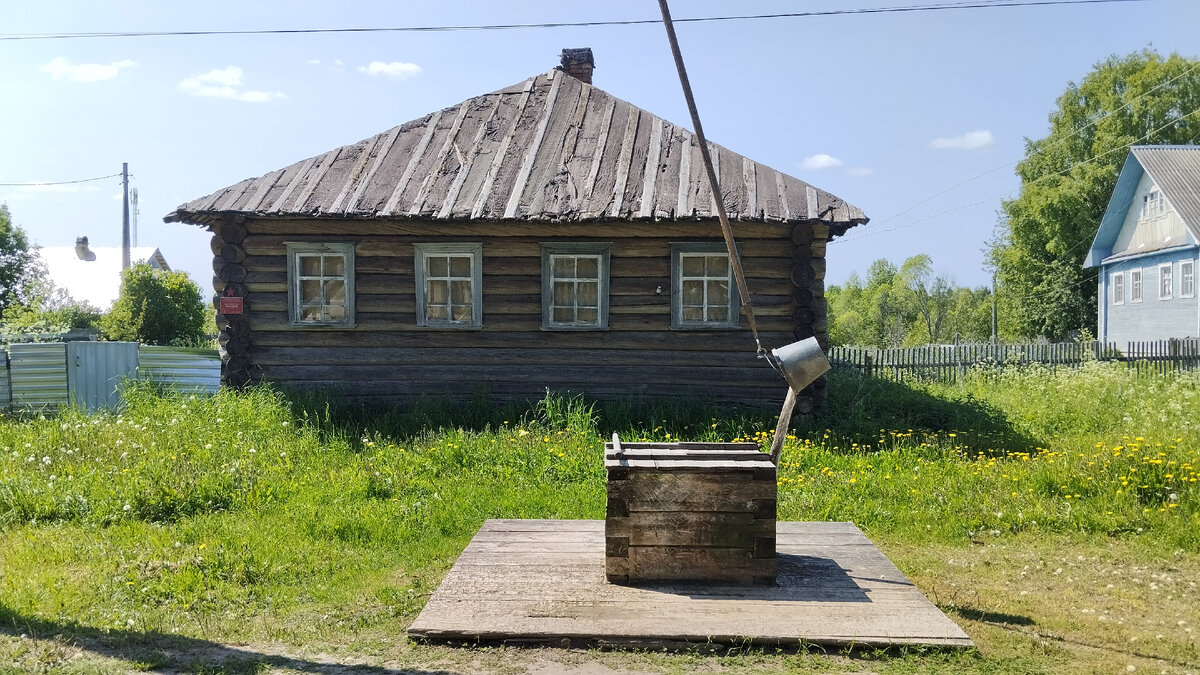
(1187, 279)
(1116, 281)
(1135, 285)
(1165, 282)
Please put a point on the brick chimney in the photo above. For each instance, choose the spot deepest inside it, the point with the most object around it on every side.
(578, 63)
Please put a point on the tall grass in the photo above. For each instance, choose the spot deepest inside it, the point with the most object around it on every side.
(274, 509)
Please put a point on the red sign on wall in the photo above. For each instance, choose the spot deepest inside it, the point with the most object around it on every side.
(230, 305)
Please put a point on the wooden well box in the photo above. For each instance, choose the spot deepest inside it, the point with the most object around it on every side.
(689, 512)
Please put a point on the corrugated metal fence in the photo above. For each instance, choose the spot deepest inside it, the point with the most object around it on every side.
(946, 363)
(49, 375)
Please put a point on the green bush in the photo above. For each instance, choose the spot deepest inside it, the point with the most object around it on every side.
(156, 307)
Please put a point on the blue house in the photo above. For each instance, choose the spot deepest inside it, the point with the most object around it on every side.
(1146, 247)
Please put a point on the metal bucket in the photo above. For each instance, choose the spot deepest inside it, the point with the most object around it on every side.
(801, 362)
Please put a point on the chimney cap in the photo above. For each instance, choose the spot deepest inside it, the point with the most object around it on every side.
(578, 63)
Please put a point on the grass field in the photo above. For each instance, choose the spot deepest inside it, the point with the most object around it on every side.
(1056, 517)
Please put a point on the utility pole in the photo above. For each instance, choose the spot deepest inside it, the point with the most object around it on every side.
(125, 216)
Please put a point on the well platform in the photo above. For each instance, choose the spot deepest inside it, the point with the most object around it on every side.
(543, 582)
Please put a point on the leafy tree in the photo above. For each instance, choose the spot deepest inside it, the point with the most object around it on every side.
(910, 305)
(926, 295)
(16, 258)
(156, 307)
(48, 311)
(1068, 177)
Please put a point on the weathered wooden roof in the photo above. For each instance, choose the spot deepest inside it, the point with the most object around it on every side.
(551, 148)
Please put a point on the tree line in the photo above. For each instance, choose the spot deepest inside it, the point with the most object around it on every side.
(907, 305)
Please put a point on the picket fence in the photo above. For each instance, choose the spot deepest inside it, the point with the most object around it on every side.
(947, 363)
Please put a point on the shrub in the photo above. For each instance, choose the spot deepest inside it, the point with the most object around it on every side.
(156, 307)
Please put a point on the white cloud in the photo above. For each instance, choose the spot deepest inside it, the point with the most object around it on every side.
(226, 83)
(62, 69)
(820, 161)
(860, 171)
(313, 62)
(397, 69)
(972, 140)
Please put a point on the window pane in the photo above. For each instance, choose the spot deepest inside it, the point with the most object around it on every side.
(437, 292)
(461, 312)
(310, 292)
(588, 294)
(335, 312)
(335, 291)
(693, 314)
(693, 292)
(692, 265)
(436, 312)
(563, 315)
(437, 266)
(564, 266)
(588, 268)
(589, 315)
(460, 292)
(564, 293)
(335, 266)
(718, 294)
(720, 314)
(460, 266)
(310, 313)
(310, 265)
(718, 265)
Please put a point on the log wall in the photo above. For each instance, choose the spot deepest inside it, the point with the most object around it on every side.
(387, 357)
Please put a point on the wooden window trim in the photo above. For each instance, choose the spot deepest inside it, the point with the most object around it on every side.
(1164, 275)
(601, 249)
(1185, 291)
(1117, 281)
(677, 322)
(1135, 285)
(296, 249)
(475, 250)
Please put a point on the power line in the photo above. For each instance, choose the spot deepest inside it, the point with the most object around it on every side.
(977, 4)
(1064, 173)
(1078, 130)
(61, 182)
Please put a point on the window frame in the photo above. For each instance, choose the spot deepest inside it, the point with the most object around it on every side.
(678, 251)
(1135, 285)
(423, 251)
(296, 249)
(601, 250)
(1153, 205)
(1188, 290)
(1165, 281)
(1116, 281)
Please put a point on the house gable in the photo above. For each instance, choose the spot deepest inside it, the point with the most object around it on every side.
(1174, 171)
(1151, 223)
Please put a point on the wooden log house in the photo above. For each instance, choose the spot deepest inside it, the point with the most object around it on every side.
(546, 235)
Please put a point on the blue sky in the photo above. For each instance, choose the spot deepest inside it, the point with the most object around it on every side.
(918, 118)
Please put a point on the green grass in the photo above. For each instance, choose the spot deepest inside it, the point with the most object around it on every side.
(171, 532)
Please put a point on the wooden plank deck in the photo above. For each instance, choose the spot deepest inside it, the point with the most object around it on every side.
(542, 581)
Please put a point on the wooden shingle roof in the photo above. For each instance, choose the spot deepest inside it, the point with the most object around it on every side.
(551, 148)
